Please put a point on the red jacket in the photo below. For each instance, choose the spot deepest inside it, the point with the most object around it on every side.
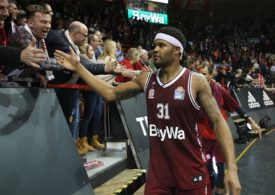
(225, 102)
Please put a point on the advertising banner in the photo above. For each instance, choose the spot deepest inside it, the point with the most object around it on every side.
(150, 17)
(253, 99)
(133, 115)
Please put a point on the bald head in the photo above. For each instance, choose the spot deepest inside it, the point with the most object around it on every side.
(78, 32)
(76, 26)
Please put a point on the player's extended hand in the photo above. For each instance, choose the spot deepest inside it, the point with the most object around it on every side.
(231, 182)
(67, 61)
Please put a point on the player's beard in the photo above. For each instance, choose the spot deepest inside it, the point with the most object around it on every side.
(162, 63)
(157, 65)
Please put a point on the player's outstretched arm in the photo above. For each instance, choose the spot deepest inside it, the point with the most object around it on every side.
(107, 91)
(202, 93)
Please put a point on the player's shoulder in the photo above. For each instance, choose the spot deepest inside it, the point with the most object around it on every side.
(198, 79)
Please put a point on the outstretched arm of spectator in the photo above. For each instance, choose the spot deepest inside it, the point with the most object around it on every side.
(31, 55)
(255, 127)
(269, 89)
(232, 105)
(14, 57)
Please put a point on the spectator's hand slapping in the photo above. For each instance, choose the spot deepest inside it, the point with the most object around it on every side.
(128, 73)
(32, 56)
(110, 66)
(67, 61)
(254, 126)
(119, 69)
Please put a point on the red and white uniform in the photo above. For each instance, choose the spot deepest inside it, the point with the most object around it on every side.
(176, 155)
(226, 104)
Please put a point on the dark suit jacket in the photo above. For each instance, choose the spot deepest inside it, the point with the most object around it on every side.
(10, 56)
(57, 40)
(8, 27)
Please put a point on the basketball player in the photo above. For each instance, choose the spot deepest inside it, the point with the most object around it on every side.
(174, 97)
(226, 104)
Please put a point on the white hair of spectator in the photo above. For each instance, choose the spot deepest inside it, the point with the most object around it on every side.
(171, 40)
(238, 71)
(143, 52)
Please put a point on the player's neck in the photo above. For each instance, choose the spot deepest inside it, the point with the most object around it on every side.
(169, 73)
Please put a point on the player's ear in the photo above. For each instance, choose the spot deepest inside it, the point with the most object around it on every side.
(177, 50)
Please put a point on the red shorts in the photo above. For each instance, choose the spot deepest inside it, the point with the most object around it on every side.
(212, 149)
(154, 190)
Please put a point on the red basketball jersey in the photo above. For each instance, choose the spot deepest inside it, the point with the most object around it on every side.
(176, 155)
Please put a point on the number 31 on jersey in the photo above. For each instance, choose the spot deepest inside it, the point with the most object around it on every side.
(163, 111)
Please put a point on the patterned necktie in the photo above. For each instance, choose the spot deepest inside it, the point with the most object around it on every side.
(50, 63)
(42, 45)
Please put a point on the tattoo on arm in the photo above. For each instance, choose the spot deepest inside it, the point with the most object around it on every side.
(125, 94)
(212, 106)
(213, 111)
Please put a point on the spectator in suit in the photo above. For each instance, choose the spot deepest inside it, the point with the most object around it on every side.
(73, 38)
(11, 21)
(38, 26)
(3, 15)
(63, 40)
(94, 41)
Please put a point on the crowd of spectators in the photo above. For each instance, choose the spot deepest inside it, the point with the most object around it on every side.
(231, 45)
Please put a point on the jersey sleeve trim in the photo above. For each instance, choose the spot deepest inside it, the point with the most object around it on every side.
(190, 92)
(147, 81)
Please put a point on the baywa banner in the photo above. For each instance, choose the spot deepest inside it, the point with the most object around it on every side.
(253, 99)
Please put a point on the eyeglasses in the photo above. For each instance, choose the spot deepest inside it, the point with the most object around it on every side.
(83, 34)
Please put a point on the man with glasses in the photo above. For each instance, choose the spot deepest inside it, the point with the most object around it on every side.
(83, 34)
(73, 37)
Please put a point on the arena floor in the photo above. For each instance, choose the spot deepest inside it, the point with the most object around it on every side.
(256, 164)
